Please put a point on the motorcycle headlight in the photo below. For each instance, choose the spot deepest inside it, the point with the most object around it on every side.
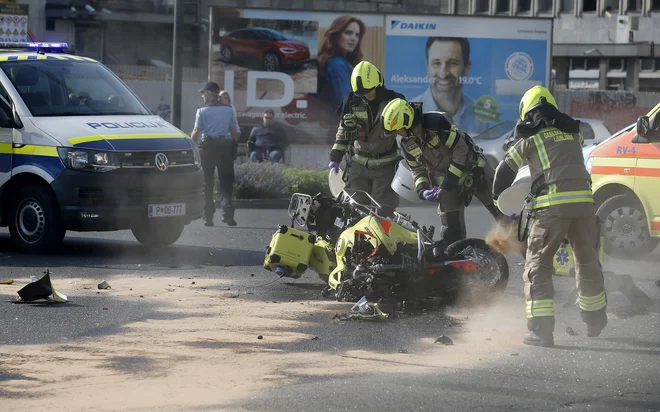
(88, 160)
(197, 158)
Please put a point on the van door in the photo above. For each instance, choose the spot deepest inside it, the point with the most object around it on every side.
(647, 176)
(6, 134)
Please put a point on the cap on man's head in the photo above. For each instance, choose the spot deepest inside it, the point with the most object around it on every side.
(210, 87)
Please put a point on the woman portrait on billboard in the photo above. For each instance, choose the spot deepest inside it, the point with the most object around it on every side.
(339, 53)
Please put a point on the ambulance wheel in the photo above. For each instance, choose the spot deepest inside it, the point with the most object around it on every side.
(35, 223)
(625, 229)
(155, 235)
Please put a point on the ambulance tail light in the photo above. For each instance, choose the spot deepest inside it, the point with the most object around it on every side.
(88, 160)
(589, 163)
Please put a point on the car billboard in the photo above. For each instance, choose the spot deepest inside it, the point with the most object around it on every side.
(296, 63)
(474, 68)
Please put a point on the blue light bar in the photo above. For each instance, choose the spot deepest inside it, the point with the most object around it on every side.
(32, 45)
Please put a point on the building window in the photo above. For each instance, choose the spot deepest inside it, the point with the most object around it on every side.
(611, 5)
(616, 84)
(589, 5)
(568, 6)
(524, 6)
(655, 5)
(618, 65)
(578, 63)
(634, 5)
(545, 6)
(646, 65)
(593, 64)
(502, 6)
(482, 6)
(463, 7)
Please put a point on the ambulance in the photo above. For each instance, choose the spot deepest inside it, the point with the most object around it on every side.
(625, 171)
(80, 152)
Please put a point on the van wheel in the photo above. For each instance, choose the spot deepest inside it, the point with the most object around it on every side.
(158, 234)
(625, 229)
(35, 224)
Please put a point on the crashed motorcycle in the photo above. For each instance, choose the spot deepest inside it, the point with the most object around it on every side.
(359, 253)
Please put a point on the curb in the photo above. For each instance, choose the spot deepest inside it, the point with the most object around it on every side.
(258, 203)
(284, 204)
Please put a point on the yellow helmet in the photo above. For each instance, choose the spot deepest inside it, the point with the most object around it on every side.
(396, 115)
(535, 97)
(365, 77)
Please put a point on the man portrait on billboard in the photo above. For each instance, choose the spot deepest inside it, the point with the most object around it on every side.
(447, 63)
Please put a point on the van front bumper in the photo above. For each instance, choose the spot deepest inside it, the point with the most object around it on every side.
(91, 201)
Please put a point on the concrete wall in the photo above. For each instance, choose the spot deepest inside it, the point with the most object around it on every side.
(590, 28)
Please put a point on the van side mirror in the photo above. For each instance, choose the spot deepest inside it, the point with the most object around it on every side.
(643, 126)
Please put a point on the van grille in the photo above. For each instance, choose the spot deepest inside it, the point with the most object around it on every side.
(147, 160)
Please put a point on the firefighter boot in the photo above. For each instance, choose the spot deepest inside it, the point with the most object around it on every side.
(541, 332)
(596, 321)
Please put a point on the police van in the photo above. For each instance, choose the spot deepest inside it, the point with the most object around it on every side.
(79, 151)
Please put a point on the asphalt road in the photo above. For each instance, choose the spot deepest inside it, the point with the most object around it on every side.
(618, 371)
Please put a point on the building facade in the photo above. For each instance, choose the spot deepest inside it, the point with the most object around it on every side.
(598, 44)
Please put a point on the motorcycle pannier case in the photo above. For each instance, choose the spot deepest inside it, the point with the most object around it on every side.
(289, 252)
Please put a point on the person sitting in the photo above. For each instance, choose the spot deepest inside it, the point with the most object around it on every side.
(269, 140)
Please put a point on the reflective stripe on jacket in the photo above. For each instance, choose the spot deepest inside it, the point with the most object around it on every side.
(557, 157)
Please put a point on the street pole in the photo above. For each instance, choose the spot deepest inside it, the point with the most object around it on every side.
(176, 63)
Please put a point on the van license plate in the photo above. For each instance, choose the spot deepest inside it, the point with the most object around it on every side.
(167, 210)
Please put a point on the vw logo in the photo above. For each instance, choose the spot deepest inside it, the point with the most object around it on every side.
(161, 162)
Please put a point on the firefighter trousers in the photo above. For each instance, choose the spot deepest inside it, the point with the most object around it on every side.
(547, 232)
(377, 181)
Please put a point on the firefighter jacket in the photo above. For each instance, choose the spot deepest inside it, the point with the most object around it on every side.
(371, 145)
(438, 150)
(551, 144)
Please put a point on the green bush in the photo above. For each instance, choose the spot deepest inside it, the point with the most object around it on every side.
(307, 181)
(276, 181)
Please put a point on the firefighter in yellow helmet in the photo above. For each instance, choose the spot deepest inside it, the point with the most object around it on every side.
(372, 153)
(560, 205)
(436, 149)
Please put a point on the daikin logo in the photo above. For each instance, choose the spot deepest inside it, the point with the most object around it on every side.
(399, 24)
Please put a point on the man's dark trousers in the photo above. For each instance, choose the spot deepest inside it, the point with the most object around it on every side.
(218, 153)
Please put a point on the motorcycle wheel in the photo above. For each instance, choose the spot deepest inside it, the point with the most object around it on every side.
(496, 282)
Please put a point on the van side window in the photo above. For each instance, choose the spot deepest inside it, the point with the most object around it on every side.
(33, 86)
(587, 131)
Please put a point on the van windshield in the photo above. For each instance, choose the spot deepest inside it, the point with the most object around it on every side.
(71, 88)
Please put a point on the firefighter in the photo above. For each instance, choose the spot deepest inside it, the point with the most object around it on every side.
(560, 204)
(436, 149)
(371, 167)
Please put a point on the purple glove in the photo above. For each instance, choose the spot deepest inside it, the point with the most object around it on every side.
(334, 166)
(514, 217)
(431, 194)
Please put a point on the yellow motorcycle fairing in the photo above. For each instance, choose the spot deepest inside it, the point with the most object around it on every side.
(320, 261)
(379, 232)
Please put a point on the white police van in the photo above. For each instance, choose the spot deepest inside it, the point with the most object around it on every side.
(79, 151)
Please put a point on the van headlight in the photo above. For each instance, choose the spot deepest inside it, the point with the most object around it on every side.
(88, 160)
(196, 157)
(590, 161)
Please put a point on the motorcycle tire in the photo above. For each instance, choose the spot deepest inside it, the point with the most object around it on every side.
(501, 262)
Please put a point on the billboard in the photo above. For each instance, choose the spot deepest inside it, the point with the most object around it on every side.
(14, 22)
(474, 68)
(296, 63)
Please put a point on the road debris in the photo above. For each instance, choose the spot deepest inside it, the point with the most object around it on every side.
(40, 290)
(260, 337)
(315, 338)
(403, 350)
(570, 331)
(6, 282)
(104, 285)
(444, 340)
